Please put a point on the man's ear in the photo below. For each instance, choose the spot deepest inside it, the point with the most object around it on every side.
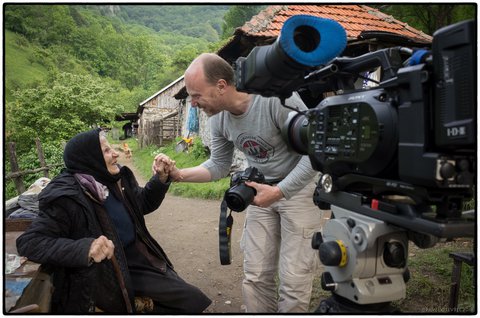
(222, 85)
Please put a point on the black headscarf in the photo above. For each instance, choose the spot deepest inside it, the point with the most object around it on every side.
(83, 154)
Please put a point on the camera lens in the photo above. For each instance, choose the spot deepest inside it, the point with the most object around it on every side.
(239, 197)
(295, 133)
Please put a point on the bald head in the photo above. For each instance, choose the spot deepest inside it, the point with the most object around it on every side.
(213, 68)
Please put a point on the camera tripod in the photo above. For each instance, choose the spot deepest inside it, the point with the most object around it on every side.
(365, 263)
(364, 249)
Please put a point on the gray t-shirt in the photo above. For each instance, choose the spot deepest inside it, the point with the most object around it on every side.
(257, 134)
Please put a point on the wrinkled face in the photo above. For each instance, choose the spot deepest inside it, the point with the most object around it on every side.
(203, 95)
(110, 156)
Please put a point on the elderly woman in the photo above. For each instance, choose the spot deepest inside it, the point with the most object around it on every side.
(91, 233)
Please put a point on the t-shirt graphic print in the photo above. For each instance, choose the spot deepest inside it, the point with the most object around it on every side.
(255, 147)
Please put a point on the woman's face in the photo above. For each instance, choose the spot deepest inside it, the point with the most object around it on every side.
(110, 156)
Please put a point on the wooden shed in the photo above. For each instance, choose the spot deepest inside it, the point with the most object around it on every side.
(160, 116)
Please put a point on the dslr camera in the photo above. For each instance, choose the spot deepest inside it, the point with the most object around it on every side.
(239, 195)
(398, 158)
(236, 198)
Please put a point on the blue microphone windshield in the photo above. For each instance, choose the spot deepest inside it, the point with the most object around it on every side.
(312, 41)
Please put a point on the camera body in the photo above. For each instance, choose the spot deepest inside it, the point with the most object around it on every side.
(239, 195)
(412, 134)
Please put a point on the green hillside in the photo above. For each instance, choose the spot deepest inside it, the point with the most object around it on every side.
(198, 21)
(21, 70)
(18, 55)
(28, 64)
(137, 46)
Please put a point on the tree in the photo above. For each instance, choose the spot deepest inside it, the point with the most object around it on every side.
(183, 58)
(429, 17)
(236, 16)
(46, 25)
(58, 110)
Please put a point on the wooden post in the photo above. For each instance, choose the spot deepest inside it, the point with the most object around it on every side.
(161, 132)
(175, 127)
(14, 167)
(41, 157)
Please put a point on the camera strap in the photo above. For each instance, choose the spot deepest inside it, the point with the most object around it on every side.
(224, 234)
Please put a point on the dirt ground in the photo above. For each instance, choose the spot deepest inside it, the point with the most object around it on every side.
(187, 229)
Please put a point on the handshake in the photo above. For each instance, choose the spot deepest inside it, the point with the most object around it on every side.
(164, 167)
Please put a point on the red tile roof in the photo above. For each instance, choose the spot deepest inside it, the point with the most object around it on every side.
(354, 18)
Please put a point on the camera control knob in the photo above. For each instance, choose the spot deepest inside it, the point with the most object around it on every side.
(327, 282)
(351, 223)
(327, 183)
(394, 255)
(447, 170)
(333, 253)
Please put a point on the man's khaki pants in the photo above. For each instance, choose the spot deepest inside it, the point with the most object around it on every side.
(277, 240)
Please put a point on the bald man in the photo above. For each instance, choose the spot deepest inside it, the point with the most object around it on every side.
(282, 218)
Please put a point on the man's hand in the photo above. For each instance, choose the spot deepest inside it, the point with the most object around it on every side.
(266, 194)
(101, 248)
(176, 174)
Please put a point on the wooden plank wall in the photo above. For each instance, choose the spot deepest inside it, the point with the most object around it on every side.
(162, 117)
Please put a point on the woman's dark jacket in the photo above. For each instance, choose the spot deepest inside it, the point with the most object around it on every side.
(61, 236)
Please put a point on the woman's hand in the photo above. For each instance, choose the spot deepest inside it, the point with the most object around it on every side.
(101, 248)
(162, 166)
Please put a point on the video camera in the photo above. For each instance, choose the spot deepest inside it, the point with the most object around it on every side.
(397, 155)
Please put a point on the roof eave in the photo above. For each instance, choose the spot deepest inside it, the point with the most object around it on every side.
(161, 91)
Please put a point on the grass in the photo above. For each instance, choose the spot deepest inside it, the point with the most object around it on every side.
(28, 65)
(429, 287)
(20, 69)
